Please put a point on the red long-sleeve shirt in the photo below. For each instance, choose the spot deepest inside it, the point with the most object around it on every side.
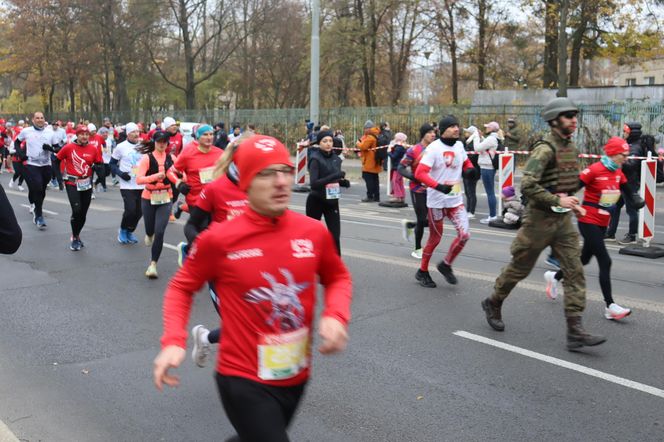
(265, 269)
(198, 167)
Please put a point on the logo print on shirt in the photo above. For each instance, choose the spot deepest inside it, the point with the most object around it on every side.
(448, 157)
(80, 166)
(302, 248)
(287, 311)
(266, 145)
(246, 253)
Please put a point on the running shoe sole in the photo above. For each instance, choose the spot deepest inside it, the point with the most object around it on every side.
(617, 317)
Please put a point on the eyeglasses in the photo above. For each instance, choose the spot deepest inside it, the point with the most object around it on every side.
(569, 115)
(271, 173)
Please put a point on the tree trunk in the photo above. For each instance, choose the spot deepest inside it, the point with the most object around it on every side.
(481, 48)
(51, 93)
(449, 6)
(190, 86)
(550, 74)
(562, 50)
(577, 45)
(72, 96)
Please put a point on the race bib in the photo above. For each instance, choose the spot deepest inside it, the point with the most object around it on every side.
(134, 171)
(332, 191)
(159, 197)
(456, 189)
(283, 356)
(83, 184)
(206, 175)
(609, 197)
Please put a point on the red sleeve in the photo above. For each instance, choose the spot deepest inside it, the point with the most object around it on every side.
(205, 200)
(64, 152)
(467, 164)
(422, 175)
(587, 175)
(196, 271)
(623, 179)
(335, 277)
(98, 157)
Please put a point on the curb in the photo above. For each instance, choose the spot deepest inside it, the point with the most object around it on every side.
(6, 435)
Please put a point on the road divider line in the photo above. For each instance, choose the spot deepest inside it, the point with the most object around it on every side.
(6, 434)
(27, 206)
(50, 199)
(564, 364)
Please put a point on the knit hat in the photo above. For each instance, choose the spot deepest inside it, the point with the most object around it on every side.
(492, 126)
(508, 192)
(446, 122)
(322, 134)
(400, 138)
(168, 122)
(369, 124)
(82, 128)
(615, 146)
(92, 127)
(425, 129)
(131, 127)
(256, 153)
(202, 129)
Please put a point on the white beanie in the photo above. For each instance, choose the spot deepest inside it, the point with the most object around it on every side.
(153, 126)
(92, 127)
(131, 127)
(168, 122)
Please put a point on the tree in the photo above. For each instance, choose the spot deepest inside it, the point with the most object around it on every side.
(446, 20)
(551, 24)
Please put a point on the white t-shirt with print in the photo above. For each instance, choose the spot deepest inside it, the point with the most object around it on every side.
(128, 159)
(446, 164)
(34, 140)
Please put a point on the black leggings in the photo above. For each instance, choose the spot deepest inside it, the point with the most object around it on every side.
(258, 412)
(317, 207)
(37, 178)
(593, 245)
(101, 179)
(470, 188)
(420, 206)
(56, 173)
(373, 185)
(156, 220)
(19, 171)
(132, 209)
(80, 203)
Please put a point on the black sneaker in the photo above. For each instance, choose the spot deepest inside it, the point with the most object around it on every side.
(424, 278)
(177, 213)
(75, 245)
(446, 271)
(368, 200)
(611, 238)
(628, 239)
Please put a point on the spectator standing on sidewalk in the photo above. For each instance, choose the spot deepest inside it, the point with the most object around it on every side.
(370, 167)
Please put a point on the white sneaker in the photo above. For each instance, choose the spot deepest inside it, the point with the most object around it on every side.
(488, 219)
(417, 254)
(93, 196)
(31, 209)
(151, 272)
(471, 216)
(11, 184)
(148, 240)
(21, 188)
(406, 230)
(551, 285)
(616, 312)
(201, 350)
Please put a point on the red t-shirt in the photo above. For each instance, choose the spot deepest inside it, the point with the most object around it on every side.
(269, 269)
(97, 141)
(223, 199)
(175, 144)
(412, 160)
(78, 160)
(198, 168)
(601, 187)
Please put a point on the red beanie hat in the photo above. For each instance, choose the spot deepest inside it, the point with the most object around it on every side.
(256, 153)
(615, 146)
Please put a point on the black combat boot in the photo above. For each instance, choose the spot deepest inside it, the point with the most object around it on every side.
(578, 337)
(493, 314)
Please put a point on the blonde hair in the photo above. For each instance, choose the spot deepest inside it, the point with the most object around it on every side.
(224, 162)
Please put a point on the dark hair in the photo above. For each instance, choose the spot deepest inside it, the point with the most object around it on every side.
(145, 147)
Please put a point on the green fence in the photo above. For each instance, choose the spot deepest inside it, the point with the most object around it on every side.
(596, 122)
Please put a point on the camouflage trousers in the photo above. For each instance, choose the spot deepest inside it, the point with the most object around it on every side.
(539, 230)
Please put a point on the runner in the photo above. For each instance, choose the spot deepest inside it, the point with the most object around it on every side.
(11, 235)
(79, 158)
(194, 167)
(603, 181)
(124, 162)
(59, 140)
(441, 169)
(268, 299)
(156, 197)
(550, 179)
(418, 191)
(106, 151)
(325, 179)
(17, 163)
(37, 152)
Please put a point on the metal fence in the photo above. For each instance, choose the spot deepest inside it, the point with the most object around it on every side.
(596, 122)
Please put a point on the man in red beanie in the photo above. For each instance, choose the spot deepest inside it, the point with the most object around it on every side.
(268, 261)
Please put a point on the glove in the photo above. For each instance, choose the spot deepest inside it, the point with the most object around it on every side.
(183, 188)
(470, 174)
(125, 176)
(344, 183)
(48, 147)
(638, 202)
(445, 188)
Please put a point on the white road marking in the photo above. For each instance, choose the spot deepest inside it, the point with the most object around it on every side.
(6, 435)
(50, 199)
(564, 364)
(27, 206)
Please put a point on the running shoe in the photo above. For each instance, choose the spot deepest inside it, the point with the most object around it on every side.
(417, 254)
(551, 285)
(122, 236)
(41, 224)
(424, 278)
(471, 216)
(115, 182)
(201, 350)
(553, 262)
(21, 188)
(11, 184)
(616, 312)
(488, 219)
(80, 241)
(31, 209)
(75, 245)
(446, 270)
(93, 196)
(629, 238)
(151, 272)
(148, 240)
(131, 238)
(611, 238)
(182, 253)
(178, 210)
(407, 229)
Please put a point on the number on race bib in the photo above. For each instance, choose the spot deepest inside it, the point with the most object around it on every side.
(83, 184)
(206, 175)
(159, 197)
(283, 356)
(332, 191)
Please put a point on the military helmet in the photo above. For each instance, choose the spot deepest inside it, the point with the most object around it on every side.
(558, 106)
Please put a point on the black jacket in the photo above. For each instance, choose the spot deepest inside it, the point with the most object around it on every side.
(10, 232)
(324, 168)
(632, 168)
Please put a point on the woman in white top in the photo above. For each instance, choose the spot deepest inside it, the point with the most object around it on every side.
(487, 149)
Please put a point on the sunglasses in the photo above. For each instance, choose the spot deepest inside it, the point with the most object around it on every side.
(569, 115)
(271, 173)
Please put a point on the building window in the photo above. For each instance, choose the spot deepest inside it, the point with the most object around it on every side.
(631, 82)
(650, 80)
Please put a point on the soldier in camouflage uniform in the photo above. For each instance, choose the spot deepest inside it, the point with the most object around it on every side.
(550, 180)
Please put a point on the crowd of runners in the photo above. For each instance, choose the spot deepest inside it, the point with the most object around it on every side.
(261, 262)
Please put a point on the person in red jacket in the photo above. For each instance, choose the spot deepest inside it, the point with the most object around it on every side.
(78, 159)
(268, 261)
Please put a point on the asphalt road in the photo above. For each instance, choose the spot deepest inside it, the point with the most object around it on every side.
(79, 331)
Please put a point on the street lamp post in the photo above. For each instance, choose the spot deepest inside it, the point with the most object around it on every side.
(315, 62)
(427, 54)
